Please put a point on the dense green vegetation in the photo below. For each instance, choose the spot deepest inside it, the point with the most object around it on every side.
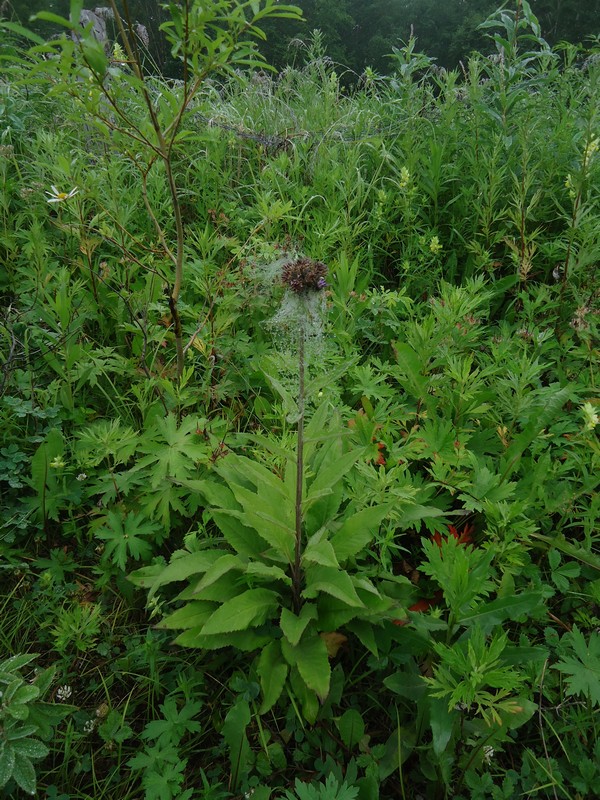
(359, 33)
(299, 454)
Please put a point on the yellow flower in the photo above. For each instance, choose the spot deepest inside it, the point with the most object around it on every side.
(118, 54)
(404, 178)
(434, 245)
(569, 185)
(591, 148)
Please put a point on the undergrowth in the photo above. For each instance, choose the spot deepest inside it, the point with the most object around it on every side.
(299, 413)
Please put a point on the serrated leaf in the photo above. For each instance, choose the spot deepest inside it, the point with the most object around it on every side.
(224, 564)
(363, 631)
(357, 531)
(178, 569)
(320, 552)
(268, 572)
(583, 671)
(252, 607)
(246, 641)
(331, 581)
(294, 626)
(193, 615)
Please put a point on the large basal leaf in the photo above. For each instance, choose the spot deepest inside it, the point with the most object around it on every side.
(311, 658)
(252, 607)
(357, 531)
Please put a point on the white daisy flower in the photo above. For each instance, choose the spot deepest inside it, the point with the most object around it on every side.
(55, 196)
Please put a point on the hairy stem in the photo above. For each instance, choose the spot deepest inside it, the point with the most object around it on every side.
(296, 570)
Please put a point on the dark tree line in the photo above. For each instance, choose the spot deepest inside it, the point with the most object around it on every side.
(361, 33)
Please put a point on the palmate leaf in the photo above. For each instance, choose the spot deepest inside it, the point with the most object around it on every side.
(584, 670)
(125, 538)
(172, 451)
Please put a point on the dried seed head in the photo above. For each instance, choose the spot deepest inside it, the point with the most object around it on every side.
(304, 275)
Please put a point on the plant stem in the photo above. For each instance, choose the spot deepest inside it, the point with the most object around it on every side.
(296, 571)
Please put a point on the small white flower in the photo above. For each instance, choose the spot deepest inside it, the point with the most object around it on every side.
(55, 196)
(63, 693)
(89, 726)
(488, 753)
(82, 476)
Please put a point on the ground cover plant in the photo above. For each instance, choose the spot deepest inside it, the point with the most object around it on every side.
(299, 456)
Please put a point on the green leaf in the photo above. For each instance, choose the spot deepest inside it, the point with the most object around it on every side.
(21, 31)
(32, 748)
(15, 663)
(272, 671)
(319, 551)
(7, 764)
(333, 582)
(246, 641)
(269, 572)
(294, 626)
(351, 728)
(311, 658)
(442, 723)
(25, 694)
(363, 630)
(584, 670)
(252, 607)
(540, 419)
(357, 531)
(24, 773)
(488, 615)
(234, 732)
(179, 568)
(224, 564)
(193, 614)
